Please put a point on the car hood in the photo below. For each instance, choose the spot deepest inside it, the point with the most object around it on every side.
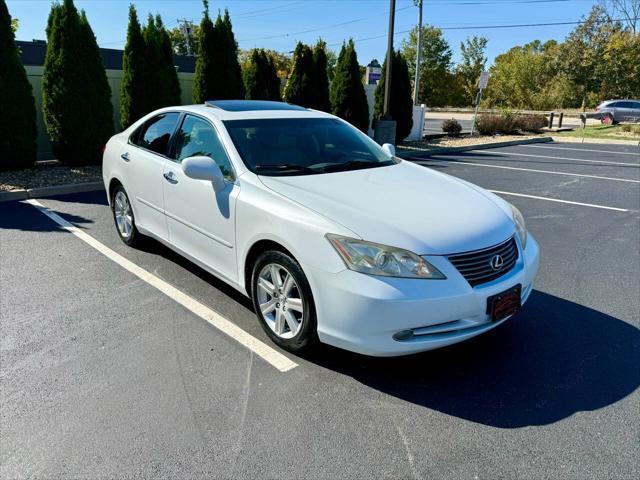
(403, 205)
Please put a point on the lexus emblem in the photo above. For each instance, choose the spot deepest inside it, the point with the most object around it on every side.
(496, 262)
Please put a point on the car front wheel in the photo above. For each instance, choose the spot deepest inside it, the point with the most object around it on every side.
(283, 301)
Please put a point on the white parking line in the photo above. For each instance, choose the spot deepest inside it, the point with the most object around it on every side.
(559, 201)
(534, 170)
(269, 354)
(637, 154)
(508, 154)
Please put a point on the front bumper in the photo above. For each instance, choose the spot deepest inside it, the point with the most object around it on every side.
(362, 313)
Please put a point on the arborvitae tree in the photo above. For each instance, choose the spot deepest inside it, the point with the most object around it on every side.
(320, 77)
(400, 103)
(205, 68)
(261, 81)
(348, 98)
(233, 87)
(134, 85)
(170, 82)
(18, 118)
(75, 90)
(299, 89)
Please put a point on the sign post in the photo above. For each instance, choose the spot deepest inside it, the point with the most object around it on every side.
(484, 80)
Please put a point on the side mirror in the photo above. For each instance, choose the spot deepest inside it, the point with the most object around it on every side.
(204, 168)
(390, 149)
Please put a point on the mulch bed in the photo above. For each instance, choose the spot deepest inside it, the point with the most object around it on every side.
(47, 174)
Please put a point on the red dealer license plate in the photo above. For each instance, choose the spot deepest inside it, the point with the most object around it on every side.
(504, 304)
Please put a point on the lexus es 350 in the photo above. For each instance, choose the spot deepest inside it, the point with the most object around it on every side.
(334, 238)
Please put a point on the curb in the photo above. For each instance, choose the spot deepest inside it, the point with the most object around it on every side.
(437, 151)
(603, 141)
(14, 195)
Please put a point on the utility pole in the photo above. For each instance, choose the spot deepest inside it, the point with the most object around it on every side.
(186, 27)
(387, 82)
(416, 84)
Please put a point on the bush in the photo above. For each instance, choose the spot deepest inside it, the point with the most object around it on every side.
(401, 103)
(530, 123)
(18, 119)
(452, 127)
(489, 124)
(76, 98)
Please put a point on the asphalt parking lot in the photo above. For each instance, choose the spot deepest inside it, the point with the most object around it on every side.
(103, 375)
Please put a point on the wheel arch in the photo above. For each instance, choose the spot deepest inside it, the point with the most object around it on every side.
(254, 252)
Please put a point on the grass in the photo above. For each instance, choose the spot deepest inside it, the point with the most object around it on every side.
(611, 132)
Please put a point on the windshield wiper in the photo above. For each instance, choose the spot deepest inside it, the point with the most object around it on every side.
(352, 165)
(284, 167)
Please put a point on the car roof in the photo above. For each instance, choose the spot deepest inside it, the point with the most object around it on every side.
(252, 109)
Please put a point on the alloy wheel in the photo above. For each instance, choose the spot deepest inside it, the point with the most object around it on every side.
(280, 300)
(124, 215)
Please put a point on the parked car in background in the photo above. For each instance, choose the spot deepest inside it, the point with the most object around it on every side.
(333, 237)
(616, 111)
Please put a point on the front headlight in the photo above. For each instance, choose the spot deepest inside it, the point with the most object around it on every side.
(376, 259)
(521, 228)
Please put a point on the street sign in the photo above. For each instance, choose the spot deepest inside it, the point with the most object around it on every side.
(484, 79)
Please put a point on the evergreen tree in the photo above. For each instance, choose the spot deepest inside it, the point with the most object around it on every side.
(400, 103)
(134, 85)
(348, 99)
(299, 89)
(321, 78)
(261, 81)
(18, 118)
(169, 76)
(205, 69)
(233, 86)
(76, 98)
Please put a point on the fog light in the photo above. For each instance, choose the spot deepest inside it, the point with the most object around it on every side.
(403, 335)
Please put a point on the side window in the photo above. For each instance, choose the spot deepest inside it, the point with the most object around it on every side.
(156, 133)
(626, 104)
(198, 137)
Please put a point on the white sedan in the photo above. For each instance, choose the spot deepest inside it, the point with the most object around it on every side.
(333, 238)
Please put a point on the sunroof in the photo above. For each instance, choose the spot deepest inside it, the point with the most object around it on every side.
(251, 105)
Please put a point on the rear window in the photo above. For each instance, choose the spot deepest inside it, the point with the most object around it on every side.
(156, 132)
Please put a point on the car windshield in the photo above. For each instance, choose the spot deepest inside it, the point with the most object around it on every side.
(303, 146)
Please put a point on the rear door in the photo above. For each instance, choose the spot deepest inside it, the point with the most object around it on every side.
(144, 163)
(201, 221)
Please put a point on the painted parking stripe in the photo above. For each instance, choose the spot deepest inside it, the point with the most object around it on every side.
(637, 154)
(269, 354)
(509, 154)
(603, 207)
(423, 162)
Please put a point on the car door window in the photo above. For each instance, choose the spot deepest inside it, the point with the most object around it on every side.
(156, 133)
(198, 137)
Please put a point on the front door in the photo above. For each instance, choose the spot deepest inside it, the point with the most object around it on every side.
(201, 221)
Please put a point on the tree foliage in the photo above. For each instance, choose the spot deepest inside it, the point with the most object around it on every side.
(300, 86)
(401, 102)
(321, 99)
(183, 44)
(261, 81)
(203, 88)
(18, 119)
(75, 91)
(161, 69)
(348, 98)
(472, 51)
(436, 76)
(134, 84)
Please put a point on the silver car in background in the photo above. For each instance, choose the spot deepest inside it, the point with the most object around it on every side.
(616, 111)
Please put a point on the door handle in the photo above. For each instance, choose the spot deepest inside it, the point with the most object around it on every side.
(125, 156)
(170, 177)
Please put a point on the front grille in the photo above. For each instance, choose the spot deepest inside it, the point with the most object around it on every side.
(476, 267)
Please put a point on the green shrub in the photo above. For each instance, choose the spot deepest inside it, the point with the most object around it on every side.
(530, 123)
(452, 127)
(76, 98)
(18, 118)
(401, 103)
(348, 98)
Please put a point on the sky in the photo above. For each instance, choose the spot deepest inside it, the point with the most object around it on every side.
(279, 24)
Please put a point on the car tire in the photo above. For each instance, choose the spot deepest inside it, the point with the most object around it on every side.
(607, 119)
(287, 316)
(124, 218)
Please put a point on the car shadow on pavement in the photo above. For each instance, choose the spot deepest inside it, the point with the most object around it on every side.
(554, 359)
(22, 216)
